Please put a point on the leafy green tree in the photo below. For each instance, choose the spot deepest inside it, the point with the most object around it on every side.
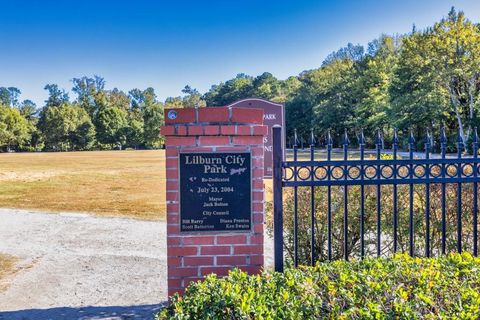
(56, 96)
(112, 127)
(456, 58)
(225, 93)
(153, 119)
(334, 90)
(351, 52)
(135, 131)
(67, 127)
(4, 96)
(174, 102)
(146, 129)
(373, 85)
(134, 104)
(9, 96)
(192, 98)
(137, 99)
(436, 80)
(417, 100)
(119, 99)
(14, 128)
(91, 93)
(299, 110)
(326, 98)
(298, 117)
(266, 86)
(289, 88)
(28, 109)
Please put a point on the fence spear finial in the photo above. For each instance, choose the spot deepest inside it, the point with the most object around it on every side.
(295, 138)
(395, 136)
(411, 139)
(361, 138)
(475, 135)
(378, 139)
(443, 136)
(329, 140)
(312, 137)
(459, 138)
(428, 138)
(345, 138)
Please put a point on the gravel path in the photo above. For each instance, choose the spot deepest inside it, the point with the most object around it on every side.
(78, 266)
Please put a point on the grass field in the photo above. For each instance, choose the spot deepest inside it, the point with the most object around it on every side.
(107, 183)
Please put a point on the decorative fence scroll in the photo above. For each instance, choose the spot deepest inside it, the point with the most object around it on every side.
(382, 168)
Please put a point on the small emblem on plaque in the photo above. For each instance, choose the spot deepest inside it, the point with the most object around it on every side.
(172, 114)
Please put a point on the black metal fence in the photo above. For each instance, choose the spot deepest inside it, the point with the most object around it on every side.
(384, 171)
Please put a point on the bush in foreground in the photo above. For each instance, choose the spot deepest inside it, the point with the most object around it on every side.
(397, 288)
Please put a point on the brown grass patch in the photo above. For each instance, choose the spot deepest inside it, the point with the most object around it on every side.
(107, 183)
(7, 264)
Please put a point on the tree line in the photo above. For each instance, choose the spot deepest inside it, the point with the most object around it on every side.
(422, 80)
(98, 119)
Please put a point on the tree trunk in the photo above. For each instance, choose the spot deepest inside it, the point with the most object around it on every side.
(471, 100)
(456, 106)
(471, 94)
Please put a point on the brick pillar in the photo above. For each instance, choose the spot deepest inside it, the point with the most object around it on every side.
(194, 254)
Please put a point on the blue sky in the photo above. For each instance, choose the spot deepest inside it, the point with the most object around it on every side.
(168, 44)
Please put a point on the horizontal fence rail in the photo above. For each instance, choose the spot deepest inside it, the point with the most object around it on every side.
(383, 186)
(374, 172)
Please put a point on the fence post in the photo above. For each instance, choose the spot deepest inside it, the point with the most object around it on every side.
(277, 197)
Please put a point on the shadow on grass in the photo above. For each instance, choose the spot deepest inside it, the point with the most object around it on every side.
(142, 312)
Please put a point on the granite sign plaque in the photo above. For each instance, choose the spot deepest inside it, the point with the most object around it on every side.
(273, 115)
(215, 191)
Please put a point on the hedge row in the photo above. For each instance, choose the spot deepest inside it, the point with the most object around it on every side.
(389, 288)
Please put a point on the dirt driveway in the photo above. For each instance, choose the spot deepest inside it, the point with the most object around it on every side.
(78, 266)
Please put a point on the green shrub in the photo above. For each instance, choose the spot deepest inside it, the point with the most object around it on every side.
(392, 288)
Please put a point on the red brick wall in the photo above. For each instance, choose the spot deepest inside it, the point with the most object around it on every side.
(192, 255)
